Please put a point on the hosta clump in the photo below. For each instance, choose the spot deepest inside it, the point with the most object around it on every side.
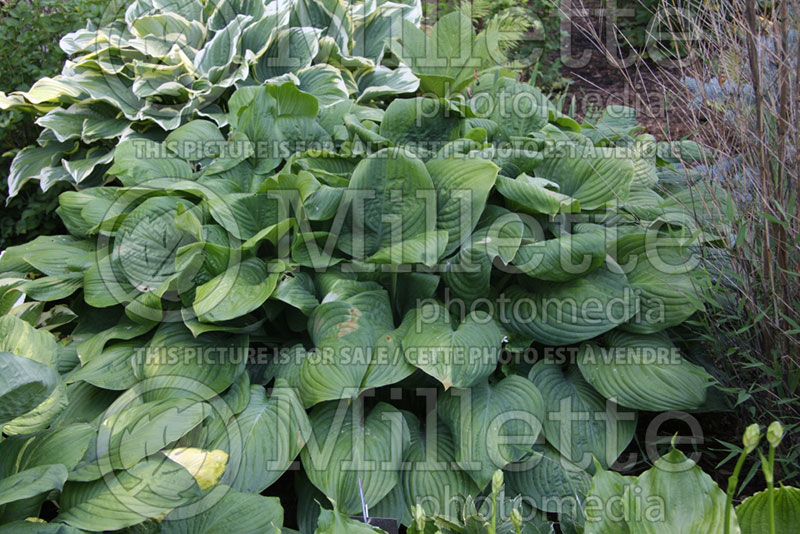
(352, 282)
(155, 65)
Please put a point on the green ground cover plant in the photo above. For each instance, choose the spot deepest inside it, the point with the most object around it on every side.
(317, 241)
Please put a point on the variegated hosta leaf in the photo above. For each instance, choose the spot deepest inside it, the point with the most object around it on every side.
(483, 420)
(264, 439)
(568, 312)
(455, 356)
(580, 423)
(349, 447)
(644, 372)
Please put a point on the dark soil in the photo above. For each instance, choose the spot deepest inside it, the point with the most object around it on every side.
(597, 82)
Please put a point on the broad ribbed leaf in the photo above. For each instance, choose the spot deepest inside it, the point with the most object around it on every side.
(239, 290)
(594, 176)
(582, 424)
(422, 125)
(432, 475)
(172, 356)
(265, 438)
(235, 512)
(573, 311)
(32, 482)
(562, 258)
(138, 161)
(195, 140)
(130, 433)
(457, 357)
(388, 202)
(644, 372)
(344, 334)
(346, 448)
(535, 195)
(659, 270)
(753, 513)
(695, 502)
(462, 186)
(548, 481)
(150, 489)
(493, 425)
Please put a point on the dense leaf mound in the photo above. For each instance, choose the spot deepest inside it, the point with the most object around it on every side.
(312, 231)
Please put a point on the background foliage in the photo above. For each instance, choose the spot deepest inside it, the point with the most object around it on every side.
(29, 34)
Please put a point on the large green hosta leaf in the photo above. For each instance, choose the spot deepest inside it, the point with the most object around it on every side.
(581, 423)
(150, 489)
(455, 356)
(348, 447)
(753, 513)
(569, 312)
(675, 495)
(548, 481)
(498, 235)
(483, 419)
(562, 258)
(238, 291)
(278, 119)
(147, 243)
(234, 512)
(388, 202)
(130, 431)
(594, 176)
(445, 60)
(535, 195)
(644, 372)
(33, 394)
(462, 186)
(344, 334)
(422, 125)
(432, 476)
(184, 364)
(660, 270)
(264, 438)
(32, 482)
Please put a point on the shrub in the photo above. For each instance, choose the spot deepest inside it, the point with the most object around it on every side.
(307, 259)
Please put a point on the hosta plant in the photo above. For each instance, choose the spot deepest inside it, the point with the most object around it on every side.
(318, 275)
